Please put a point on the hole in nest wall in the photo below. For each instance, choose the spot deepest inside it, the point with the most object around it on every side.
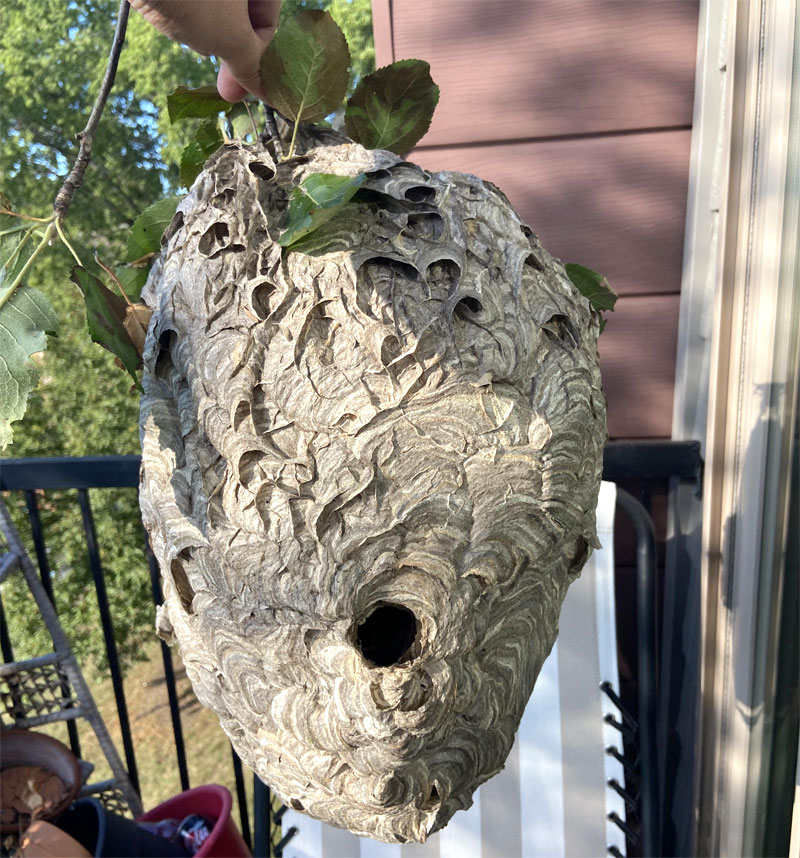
(175, 224)
(390, 350)
(559, 327)
(387, 635)
(581, 555)
(420, 194)
(224, 198)
(260, 299)
(442, 277)
(426, 225)
(181, 580)
(392, 266)
(163, 354)
(468, 306)
(214, 238)
(263, 171)
(534, 262)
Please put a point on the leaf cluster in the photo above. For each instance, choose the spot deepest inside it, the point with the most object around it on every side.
(305, 74)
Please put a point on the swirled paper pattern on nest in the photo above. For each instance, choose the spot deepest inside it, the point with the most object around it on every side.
(369, 475)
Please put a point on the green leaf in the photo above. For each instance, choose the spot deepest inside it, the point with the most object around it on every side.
(592, 285)
(304, 69)
(198, 103)
(18, 240)
(105, 315)
(241, 122)
(392, 108)
(147, 229)
(315, 201)
(25, 319)
(132, 279)
(207, 139)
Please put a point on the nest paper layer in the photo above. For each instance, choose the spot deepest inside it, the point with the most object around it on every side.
(370, 470)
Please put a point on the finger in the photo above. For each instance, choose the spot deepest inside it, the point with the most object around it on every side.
(227, 85)
(244, 64)
(264, 14)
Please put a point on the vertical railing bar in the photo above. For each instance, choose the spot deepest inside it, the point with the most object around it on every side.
(108, 634)
(646, 494)
(262, 819)
(5, 640)
(169, 672)
(647, 669)
(38, 544)
(47, 582)
(241, 797)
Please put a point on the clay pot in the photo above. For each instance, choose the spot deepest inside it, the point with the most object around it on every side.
(26, 748)
(43, 840)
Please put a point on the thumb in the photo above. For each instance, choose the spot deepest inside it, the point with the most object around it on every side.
(241, 71)
(228, 87)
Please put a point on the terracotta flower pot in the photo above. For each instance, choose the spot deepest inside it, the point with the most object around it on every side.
(26, 748)
(44, 840)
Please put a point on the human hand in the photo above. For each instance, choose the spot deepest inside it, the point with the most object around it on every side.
(236, 31)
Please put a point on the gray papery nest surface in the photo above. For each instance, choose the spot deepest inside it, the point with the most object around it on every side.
(370, 470)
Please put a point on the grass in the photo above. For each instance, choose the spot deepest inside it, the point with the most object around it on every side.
(208, 751)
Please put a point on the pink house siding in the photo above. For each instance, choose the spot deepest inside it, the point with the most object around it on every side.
(581, 111)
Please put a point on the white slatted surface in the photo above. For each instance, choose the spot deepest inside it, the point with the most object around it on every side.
(551, 800)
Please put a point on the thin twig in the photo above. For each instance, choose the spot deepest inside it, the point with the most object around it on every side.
(69, 247)
(114, 277)
(272, 130)
(132, 321)
(294, 138)
(9, 213)
(75, 177)
(252, 121)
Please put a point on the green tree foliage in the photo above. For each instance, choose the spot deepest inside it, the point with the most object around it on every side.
(52, 58)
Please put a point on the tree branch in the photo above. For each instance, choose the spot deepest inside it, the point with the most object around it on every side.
(272, 131)
(75, 177)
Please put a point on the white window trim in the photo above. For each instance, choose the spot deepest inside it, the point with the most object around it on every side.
(734, 307)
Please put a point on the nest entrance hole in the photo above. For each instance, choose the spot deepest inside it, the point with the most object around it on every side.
(387, 635)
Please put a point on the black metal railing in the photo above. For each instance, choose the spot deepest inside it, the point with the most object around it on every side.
(641, 464)
(31, 476)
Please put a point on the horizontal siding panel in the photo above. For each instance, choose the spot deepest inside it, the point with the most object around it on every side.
(521, 69)
(615, 204)
(382, 32)
(637, 361)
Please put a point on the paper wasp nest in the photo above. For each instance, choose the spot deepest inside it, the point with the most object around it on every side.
(370, 473)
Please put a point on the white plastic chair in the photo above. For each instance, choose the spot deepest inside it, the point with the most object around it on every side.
(552, 799)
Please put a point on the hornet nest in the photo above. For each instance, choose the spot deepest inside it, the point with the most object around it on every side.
(370, 472)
